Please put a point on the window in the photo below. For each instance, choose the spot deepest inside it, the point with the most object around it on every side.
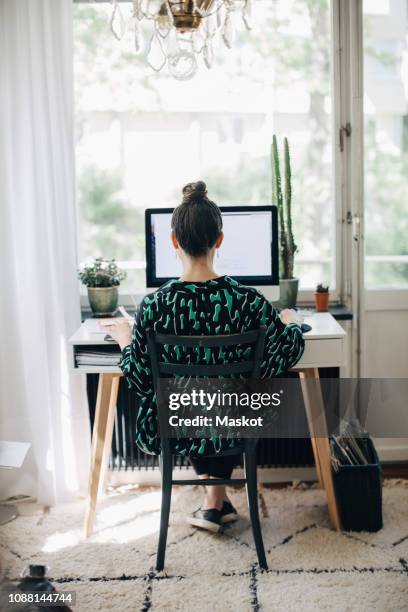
(141, 136)
(386, 143)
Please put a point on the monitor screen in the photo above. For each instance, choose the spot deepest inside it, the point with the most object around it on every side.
(248, 252)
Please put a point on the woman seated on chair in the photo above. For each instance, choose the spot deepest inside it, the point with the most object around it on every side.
(201, 302)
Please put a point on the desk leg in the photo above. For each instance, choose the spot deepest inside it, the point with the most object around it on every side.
(313, 398)
(101, 441)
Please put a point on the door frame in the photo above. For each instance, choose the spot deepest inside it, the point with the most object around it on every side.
(348, 101)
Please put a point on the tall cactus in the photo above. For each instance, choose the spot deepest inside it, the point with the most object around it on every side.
(283, 201)
(292, 247)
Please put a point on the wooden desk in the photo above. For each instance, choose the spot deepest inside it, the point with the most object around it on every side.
(325, 347)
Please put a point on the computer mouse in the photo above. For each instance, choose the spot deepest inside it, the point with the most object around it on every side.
(305, 328)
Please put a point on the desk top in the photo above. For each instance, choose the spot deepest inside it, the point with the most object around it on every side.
(324, 345)
(323, 324)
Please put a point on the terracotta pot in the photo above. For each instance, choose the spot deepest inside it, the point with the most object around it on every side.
(322, 301)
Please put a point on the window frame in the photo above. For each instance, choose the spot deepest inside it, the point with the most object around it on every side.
(341, 180)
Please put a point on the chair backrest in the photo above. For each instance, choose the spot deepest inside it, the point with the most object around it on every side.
(249, 368)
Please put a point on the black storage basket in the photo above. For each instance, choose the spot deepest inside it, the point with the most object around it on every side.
(359, 494)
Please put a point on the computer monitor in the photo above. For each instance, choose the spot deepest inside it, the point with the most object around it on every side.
(249, 252)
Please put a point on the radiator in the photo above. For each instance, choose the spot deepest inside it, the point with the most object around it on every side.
(125, 455)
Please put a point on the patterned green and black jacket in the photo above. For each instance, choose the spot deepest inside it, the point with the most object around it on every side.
(219, 306)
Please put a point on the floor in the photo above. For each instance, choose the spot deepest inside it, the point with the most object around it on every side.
(310, 566)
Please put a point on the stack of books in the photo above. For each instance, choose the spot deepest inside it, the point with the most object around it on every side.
(97, 358)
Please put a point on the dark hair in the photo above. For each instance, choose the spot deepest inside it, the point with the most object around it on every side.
(197, 221)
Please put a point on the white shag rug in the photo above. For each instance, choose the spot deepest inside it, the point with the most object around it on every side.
(311, 567)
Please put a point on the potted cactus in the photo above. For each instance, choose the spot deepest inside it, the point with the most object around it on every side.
(287, 247)
(102, 279)
(322, 298)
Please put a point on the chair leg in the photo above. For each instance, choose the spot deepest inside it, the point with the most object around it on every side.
(166, 465)
(252, 495)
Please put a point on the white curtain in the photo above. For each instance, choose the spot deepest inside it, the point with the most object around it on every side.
(42, 401)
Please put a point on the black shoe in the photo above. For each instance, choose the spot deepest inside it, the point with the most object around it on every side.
(228, 513)
(206, 519)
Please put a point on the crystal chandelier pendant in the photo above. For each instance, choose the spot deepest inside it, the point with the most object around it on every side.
(182, 30)
(220, 16)
(137, 37)
(197, 41)
(117, 22)
(228, 32)
(137, 10)
(155, 56)
(247, 14)
(164, 20)
(208, 53)
(182, 66)
(151, 8)
(199, 8)
(163, 27)
(211, 25)
(173, 46)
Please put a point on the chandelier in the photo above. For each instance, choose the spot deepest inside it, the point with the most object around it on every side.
(183, 30)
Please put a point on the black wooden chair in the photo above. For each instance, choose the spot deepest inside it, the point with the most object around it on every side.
(250, 369)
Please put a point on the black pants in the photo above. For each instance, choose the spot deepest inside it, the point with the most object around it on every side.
(217, 467)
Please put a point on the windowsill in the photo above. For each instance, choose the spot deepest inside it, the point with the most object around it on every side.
(339, 311)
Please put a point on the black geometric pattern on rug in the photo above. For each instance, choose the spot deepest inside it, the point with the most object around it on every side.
(151, 577)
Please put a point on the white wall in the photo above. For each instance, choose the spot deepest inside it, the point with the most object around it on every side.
(385, 355)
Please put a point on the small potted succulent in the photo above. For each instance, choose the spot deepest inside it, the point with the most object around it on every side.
(322, 298)
(102, 279)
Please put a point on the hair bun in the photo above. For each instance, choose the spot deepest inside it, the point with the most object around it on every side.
(194, 192)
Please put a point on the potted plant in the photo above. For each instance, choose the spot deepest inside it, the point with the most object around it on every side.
(102, 279)
(287, 246)
(322, 298)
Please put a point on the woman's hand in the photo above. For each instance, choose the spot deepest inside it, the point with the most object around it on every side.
(290, 316)
(119, 329)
